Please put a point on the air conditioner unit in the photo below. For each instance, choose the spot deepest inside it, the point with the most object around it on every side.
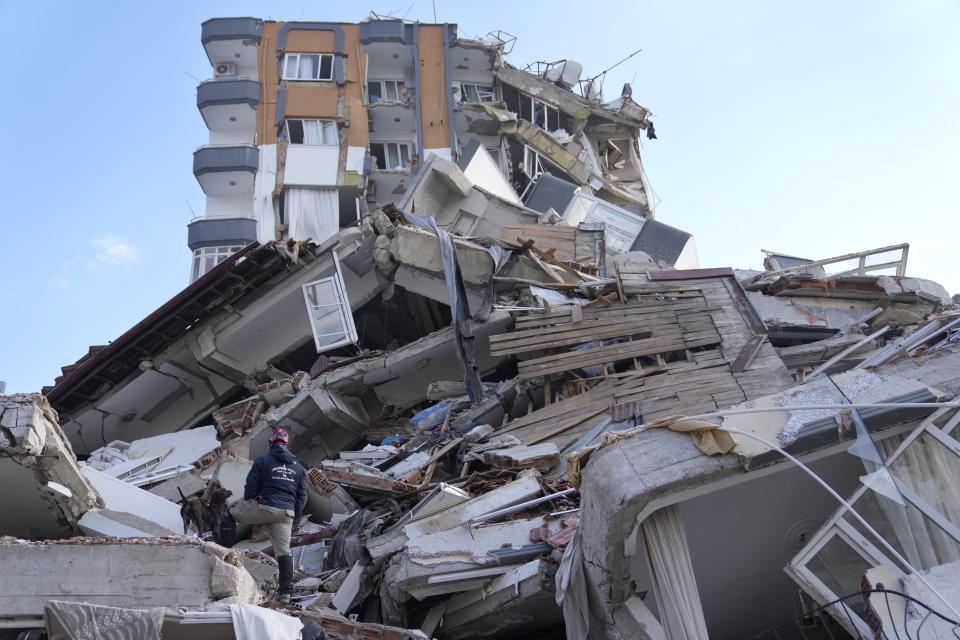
(224, 69)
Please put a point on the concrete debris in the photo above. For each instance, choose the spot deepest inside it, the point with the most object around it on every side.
(469, 368)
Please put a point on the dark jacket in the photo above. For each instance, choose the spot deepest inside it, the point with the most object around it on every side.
(278, 480)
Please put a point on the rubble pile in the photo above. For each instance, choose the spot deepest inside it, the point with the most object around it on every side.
(478, 410)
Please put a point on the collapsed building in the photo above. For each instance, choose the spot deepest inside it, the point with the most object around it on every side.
(524, 409)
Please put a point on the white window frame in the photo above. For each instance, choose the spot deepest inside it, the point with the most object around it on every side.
(296, 56)
(342, 302)
(399, 90)
(532, 162)
(328, 130)
(485, 93)
(218, 253)
(547, 108)
(386, 153)
(837, 525)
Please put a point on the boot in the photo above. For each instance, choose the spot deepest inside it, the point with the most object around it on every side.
(228, 531)
(286, 578)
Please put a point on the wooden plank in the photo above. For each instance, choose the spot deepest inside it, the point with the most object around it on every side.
(606, 354)
(594, 313)
(580, 333)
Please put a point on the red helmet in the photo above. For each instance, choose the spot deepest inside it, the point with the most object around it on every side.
(280, 435)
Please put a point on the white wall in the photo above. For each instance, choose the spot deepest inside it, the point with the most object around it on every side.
(229, 206)
(355, 156)
(484, 172)
(443, 152)
(688, 258)
(231, 136)
(311, 166)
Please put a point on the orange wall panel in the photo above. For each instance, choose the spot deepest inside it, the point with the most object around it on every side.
(311, 100)
(433, 88)
(310, 41)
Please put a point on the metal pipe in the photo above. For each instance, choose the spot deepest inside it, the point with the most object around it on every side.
(519, 507)
(817, 407)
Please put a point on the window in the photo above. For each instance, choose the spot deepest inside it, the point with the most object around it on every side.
(206, 258)
(385, 91)
(532, 164)
(476, 93)
(308, 66)
(390, 155)
(328, 308)
(539, 113)
(312, 132)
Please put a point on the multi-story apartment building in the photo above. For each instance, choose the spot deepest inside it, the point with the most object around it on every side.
(311, 123)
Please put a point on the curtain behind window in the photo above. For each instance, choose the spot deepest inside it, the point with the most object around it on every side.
(311, 213)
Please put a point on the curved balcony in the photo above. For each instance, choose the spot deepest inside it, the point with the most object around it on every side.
(227, 170)
(232, 40)
(216, 232)
(229, 103)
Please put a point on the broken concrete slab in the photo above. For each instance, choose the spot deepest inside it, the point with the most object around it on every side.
(135, 574)
(46, 493)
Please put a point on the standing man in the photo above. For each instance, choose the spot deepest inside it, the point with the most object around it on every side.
(274, 495)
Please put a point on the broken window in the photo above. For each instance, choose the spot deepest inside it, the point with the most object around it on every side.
(913, 510)
(390, 155)
(315, 132)
(476, 93)
(328, 308)
(308, 66)
(539, 113)
(206, 258)
(532, 164)
(463, 223)
(385, 91)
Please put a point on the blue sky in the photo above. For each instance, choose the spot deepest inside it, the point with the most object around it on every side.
(813, 128)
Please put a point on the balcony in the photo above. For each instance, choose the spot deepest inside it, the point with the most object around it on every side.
(216, 232)
(229, 104)
(232, 40)
(226, 170)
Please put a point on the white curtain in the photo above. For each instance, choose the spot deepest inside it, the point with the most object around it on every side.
(312, 213)
(933, 472)
(308, 67)
(266, 181)
(311, 132)
(671, 575)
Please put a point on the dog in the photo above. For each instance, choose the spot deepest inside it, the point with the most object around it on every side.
(204, 512)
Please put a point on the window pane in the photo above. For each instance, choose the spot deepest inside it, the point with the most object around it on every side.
(311, 132)
(295, 131)
(390, 91)
(484, 93)
(326, 68)
(308, 67)
(196, 266)
(329, 132)
(470, 93)
(553, 119)
(526, 108)
(393, 156)
(404, 155)
(373, 91)
(377, 151)
(841, 568)
(291, 66)
(323, 304)
(915, 536)
(933, 472)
